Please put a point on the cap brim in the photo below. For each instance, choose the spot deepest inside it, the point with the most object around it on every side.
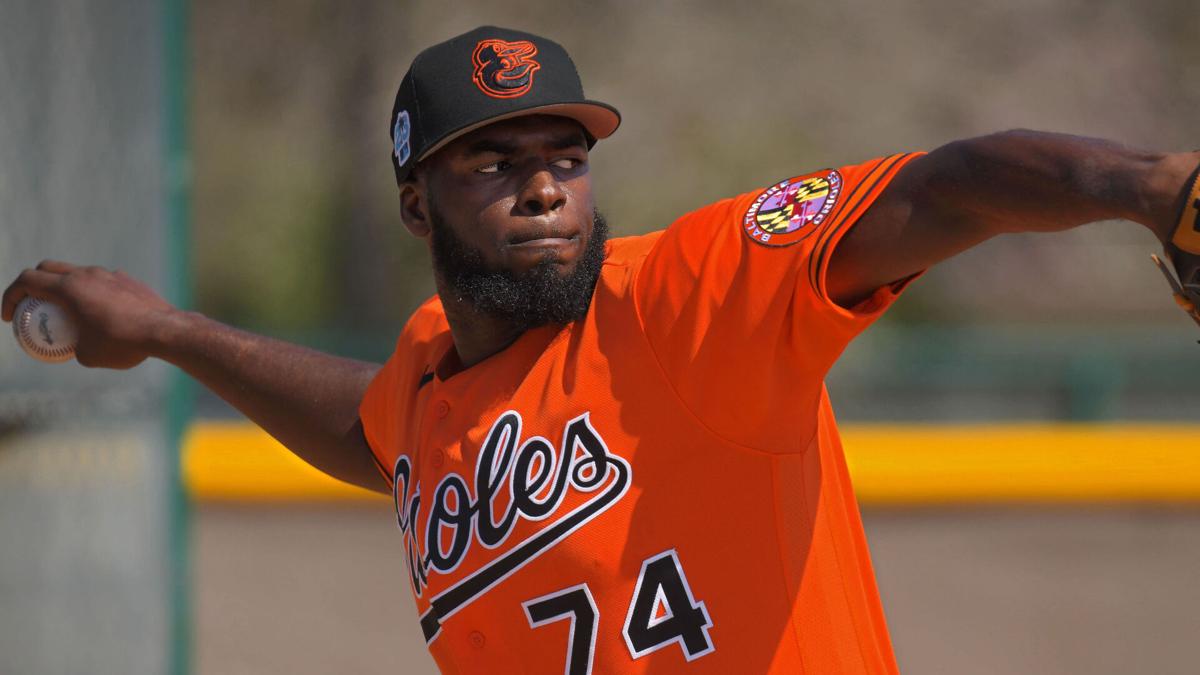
(600, 120)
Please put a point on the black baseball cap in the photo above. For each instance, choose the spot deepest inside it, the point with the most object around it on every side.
(483, 76)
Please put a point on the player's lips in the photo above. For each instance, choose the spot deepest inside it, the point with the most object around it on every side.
(545, 242)
(544, 239)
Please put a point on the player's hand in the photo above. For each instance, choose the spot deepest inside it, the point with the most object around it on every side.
(118, 317)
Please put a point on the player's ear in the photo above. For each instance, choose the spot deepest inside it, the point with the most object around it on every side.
(414, 206)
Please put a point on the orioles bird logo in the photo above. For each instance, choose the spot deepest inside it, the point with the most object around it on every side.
(504, 69)
(799, 204)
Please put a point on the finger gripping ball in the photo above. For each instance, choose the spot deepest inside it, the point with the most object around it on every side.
(44, 330)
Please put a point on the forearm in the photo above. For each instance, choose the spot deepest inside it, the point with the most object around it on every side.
(306, 399)
(969, 191)
(1023, 181)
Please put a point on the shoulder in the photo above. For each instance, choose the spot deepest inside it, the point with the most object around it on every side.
(427, 321)
(424, 335)
(629, 251)
(387, 403)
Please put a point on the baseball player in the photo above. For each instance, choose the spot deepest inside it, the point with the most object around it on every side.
(618, 456)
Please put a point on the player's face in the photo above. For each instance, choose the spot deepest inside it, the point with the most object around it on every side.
(513, 229)
(518, 191)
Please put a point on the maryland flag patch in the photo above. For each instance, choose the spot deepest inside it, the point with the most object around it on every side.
(788, 211)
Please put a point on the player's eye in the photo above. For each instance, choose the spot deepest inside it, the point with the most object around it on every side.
(567, 162)
(494, 167)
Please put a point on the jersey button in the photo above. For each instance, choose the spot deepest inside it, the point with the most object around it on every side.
(477, 639)
(437, 458)
(443, 408)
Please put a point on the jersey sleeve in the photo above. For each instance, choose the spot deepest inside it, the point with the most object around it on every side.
(733, 302)
(380, 427)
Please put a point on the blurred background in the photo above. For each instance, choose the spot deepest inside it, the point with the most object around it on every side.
(1020, 426)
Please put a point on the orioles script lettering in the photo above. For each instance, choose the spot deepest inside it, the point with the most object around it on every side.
(532, 478)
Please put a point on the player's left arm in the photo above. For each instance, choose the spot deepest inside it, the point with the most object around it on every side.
(968, 191)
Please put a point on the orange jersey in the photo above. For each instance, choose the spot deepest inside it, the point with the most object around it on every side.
(658, 487)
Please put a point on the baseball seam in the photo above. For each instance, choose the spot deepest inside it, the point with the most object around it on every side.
(30, 341)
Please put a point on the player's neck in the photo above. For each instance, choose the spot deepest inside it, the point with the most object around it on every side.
(476, 335)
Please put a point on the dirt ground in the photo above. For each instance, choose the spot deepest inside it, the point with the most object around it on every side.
(318, 590)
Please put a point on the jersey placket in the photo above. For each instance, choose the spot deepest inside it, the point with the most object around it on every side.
(440, 455)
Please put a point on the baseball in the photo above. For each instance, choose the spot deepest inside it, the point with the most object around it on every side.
(44, 330)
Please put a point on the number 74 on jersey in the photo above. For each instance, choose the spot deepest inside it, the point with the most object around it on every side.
(663, 612)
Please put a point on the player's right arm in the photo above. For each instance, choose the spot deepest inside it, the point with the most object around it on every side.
(305, 399)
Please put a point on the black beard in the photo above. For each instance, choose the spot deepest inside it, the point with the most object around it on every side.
(540, 296)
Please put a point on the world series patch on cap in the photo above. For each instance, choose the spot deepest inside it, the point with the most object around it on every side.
(484, 76)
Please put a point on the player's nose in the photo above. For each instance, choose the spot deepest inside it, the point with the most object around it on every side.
(541, 193)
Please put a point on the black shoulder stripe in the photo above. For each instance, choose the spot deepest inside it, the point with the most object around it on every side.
(848, 203)
(824, 250)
